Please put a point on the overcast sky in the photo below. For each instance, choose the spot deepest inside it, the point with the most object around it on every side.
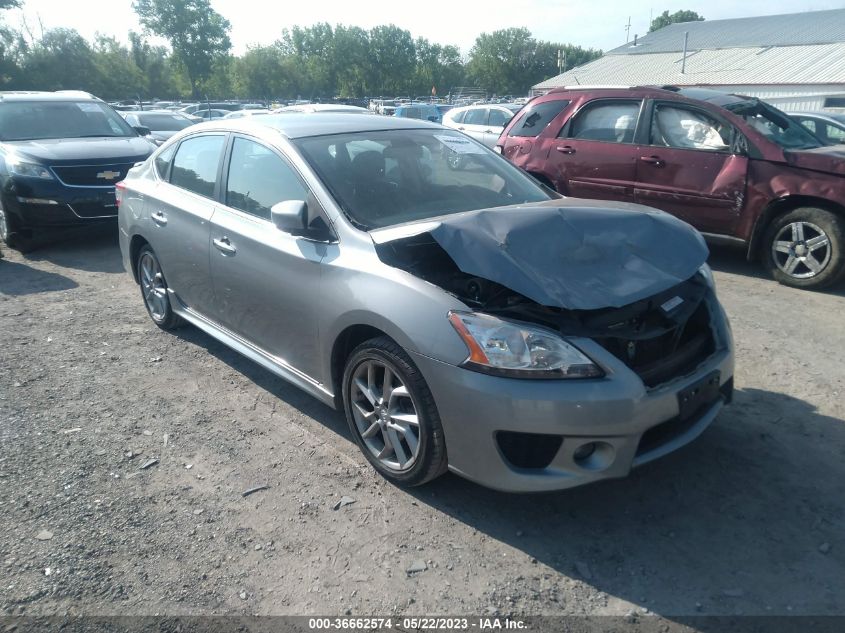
(596, 23)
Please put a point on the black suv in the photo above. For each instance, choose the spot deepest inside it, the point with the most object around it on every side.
(60, 155)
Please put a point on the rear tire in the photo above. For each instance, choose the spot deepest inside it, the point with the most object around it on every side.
(804, 248)
(154, 290)
(400, 434)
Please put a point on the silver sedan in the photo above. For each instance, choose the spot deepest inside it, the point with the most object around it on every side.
(463, 318)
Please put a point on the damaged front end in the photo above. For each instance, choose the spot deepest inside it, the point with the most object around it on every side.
(633, 282)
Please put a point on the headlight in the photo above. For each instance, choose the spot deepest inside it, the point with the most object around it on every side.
(20, 167)
(707, 273)
(517, 350)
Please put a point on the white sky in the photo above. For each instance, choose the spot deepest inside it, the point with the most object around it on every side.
(596, 23)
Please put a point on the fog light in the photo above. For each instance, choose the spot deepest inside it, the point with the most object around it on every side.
(594, 456)
(584, 451)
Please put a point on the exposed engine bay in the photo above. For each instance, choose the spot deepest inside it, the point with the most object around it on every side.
(660, 337)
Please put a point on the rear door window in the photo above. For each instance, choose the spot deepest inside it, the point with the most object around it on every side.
(499, 118)
(610, 121)
(476, 116)
(458, 117)
(196, 162)
(163, 160)
(535, 118)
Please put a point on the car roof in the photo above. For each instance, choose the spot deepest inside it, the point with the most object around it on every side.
(304, 124)
(38, 95)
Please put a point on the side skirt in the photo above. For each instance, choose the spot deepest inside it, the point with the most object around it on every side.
(272, 363)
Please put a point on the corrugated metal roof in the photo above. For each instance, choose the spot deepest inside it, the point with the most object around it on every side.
(809, 64)
(793, 29)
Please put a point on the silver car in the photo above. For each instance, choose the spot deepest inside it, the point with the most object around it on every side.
(464, 319)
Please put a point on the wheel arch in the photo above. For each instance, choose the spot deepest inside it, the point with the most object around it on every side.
(135, 245)
(346, 341)
(779, 207)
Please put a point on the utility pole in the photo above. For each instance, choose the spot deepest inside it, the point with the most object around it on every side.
(628, 30)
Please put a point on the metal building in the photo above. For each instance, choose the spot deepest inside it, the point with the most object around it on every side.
(794, 61)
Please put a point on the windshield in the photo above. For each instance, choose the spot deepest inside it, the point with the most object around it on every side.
(34, 120)
(389, 177)
(164, 122)
(774, 125)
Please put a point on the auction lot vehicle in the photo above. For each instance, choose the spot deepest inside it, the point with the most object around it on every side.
(162, 124)
(468, 318)
(60, 155)
(484, 123)
(828, 127)
(734, 167)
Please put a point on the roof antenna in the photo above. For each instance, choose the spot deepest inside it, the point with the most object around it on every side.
(684, 58)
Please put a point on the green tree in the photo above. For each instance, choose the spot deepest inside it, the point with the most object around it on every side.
(61, 60)
(392, 60)
(198, 34)
(163, 77)
(510, 61)
(117, 75)
(12, 46)
(665, 19)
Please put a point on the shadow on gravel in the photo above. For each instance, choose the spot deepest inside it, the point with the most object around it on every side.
(19, 279)
(269, 382)
(758, 501)
(94, 249)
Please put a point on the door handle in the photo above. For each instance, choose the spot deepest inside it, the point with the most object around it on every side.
(565, 149)
(224, 246)
(159, 218)
(462, 128)
(488, 131)
(653, 160)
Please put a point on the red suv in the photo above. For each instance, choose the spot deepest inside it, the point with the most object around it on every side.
(734, 167)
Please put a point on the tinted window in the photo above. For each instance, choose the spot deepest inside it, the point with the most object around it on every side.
(163, 122)
(535, 118)
(476, 116)
(688, 129)
(386, 177)
(196, 162)
(458, 117)
(162, 161)
(29, 120)
(259, 178)
(499, 118)
(611, 121)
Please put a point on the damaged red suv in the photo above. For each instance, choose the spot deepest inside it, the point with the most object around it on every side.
(734, 167)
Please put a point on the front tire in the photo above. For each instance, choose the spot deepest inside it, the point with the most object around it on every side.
(9, 233)
(804, 248)
(392, 414)
(154, 290)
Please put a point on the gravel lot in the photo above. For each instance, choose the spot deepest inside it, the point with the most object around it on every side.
(749, 519)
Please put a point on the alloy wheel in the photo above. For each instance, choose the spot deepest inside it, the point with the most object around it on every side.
(385, 415)
(801, 250)
(154, 287)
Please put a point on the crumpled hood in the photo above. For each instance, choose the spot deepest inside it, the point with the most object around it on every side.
(570, 254)
(827, 159)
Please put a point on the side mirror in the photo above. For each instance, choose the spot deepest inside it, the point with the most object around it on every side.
(290, 216)
(143, 130)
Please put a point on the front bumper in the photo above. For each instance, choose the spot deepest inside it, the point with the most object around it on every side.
(630, 424)
(51, 204)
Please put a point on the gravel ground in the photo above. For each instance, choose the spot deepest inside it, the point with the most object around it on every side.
(749, 519)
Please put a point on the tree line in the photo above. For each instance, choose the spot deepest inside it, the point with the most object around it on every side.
(316, 62)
